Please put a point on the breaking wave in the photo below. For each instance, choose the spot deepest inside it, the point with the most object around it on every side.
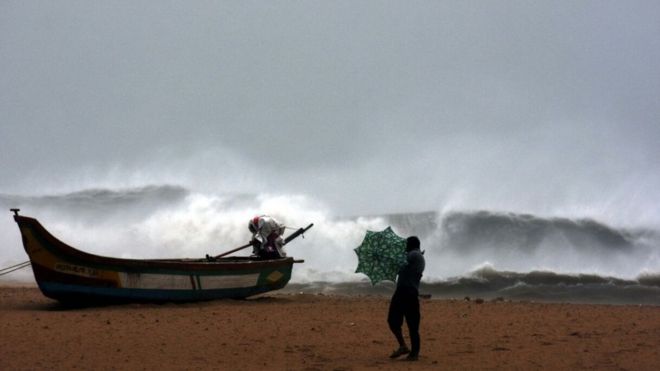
(485, 253)
(490, 284)
(100, 204)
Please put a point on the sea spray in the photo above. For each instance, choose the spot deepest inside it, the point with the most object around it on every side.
(498, 251)
(190, 224)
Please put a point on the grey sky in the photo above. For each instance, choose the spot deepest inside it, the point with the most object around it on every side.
(355, 102)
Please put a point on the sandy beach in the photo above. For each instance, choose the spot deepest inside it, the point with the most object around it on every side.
(321, 332)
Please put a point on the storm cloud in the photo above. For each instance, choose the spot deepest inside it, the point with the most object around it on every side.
(369, 106)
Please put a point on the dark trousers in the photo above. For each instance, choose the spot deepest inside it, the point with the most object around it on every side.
(405, 304)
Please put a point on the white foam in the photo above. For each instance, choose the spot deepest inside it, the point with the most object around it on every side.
(203, 223)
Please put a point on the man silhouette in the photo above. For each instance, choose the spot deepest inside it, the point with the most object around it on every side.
(405, 301)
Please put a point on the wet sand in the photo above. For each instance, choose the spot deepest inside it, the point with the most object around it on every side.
(320, 332)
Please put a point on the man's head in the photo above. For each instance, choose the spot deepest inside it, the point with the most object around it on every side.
(412, 243)
(253, 225)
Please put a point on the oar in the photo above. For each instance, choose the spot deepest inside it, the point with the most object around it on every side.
(234, 250)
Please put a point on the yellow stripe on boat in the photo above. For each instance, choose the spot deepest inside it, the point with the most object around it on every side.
(41, 256)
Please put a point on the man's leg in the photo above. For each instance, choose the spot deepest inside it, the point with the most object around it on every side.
(274, 246)
(412, 320)
(395, 321)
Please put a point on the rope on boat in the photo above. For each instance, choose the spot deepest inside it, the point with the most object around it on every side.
(14, 267)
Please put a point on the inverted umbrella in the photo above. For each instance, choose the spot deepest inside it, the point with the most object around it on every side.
(381, 255)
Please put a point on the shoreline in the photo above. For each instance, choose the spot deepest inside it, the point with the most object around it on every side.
(321, 331)
(386, 289)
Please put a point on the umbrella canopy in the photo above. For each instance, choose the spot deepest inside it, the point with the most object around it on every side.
(381, 255)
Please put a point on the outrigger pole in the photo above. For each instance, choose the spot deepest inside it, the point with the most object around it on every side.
(297, 233)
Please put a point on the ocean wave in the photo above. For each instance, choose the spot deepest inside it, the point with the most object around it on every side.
(649, 279)
(560, 255)
(100, 197)
(490, 284)
(485, 229)
(488, 278)
(99, 204)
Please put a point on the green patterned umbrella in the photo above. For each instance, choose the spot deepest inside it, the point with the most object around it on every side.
(381, 255)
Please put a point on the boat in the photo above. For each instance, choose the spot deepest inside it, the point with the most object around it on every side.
(70, 275)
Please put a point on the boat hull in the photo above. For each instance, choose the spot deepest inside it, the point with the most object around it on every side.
(66, 274)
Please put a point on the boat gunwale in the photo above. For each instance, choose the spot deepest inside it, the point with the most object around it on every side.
(184, 266)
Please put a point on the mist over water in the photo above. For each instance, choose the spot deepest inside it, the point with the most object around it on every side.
(483, 252)
(172, 222)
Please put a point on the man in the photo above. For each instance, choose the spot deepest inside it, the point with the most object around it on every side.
(267, 239)
(405, 301)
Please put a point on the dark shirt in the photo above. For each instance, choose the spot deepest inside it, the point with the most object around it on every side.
(411, 273)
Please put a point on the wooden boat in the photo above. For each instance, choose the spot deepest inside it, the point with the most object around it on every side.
(70, 275)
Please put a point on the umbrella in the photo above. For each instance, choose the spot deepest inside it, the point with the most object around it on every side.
(381, 255)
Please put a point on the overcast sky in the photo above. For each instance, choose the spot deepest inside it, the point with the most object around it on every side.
(370, 106)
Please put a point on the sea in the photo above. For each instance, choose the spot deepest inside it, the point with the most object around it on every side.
(470, 254)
